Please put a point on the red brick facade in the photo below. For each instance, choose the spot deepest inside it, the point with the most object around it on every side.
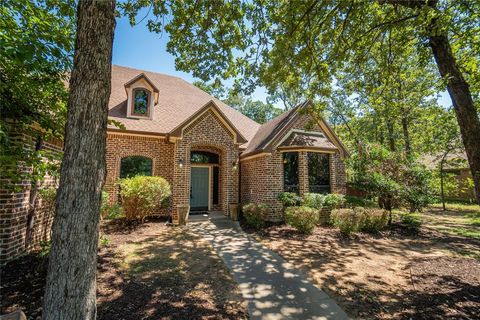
(206, 133)
(14, 207)
(262, 174)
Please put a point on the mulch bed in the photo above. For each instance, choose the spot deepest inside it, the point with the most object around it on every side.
(22, 285)
(209, 295)
(438, 287)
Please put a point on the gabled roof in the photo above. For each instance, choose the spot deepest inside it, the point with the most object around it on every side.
(141, 76)
(298, 139)
(268, 132)
(178, 101)
(211, 105)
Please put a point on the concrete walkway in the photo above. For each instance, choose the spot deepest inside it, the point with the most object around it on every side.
(273, 288)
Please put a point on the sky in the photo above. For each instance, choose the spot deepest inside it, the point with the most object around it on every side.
(138, 48)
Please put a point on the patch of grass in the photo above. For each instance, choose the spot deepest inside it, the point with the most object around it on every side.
(463, 207)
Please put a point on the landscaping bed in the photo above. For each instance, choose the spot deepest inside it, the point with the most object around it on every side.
(394, 274)
(148, 271)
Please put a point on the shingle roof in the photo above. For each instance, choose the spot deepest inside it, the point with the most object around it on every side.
(268, 130)
(310, 140)
(178, 100)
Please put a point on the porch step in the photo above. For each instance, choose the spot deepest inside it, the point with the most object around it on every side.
(214, 215)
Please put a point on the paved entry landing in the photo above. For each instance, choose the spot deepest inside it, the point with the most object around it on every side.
(273, 288)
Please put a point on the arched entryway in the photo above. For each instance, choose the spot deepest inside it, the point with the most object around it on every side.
(205, 180)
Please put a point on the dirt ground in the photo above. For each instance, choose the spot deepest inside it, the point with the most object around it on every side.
(150, 271)
(391, 275)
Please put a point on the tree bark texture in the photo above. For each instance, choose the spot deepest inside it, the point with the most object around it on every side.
(391, 136)
(462, 101)
(71, 281)
(406, 137)
(32, 201)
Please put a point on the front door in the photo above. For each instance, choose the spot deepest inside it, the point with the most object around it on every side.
(199, 188)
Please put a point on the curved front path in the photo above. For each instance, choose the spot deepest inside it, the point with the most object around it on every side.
(273, 288)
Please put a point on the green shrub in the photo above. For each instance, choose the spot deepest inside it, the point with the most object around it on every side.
(114, 211)
(289, 199)
(334, 200)
(359, 219)
(141, 195)
(373, 220)
(303, 219)
(411, 221)
(45, 247)
(313, 200)
(353, 202)
(347, 220)
(255, 214)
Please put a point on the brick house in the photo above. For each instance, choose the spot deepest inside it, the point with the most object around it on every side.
(211, 154)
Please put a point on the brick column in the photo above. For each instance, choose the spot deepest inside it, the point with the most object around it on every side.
(303, 172)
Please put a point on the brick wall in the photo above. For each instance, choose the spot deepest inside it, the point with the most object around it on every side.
(210, 134)
(156, 148)
(14, 206)
(262, 176)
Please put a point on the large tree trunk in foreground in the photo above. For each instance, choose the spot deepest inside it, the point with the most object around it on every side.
(459, 91)
(71, 282)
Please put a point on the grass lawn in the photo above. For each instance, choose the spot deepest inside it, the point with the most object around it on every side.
(146, 272)
(395, 274)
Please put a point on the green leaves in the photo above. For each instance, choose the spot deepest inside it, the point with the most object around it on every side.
(36, 44)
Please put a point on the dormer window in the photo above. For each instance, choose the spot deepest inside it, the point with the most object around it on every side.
(142, 96)
(141, 102)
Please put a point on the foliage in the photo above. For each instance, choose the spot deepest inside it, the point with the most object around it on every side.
(390, 176)
(104, 241)
(45, 247)
(255, 214)
(412, 221)
(35, 55)
(314, 200)
(347, 220)
(318, 200)
(372, 220)
(254, 109)
(289, 199)
(303, 219)
(415, 188)
(352, 201)
(334, 200)
(48, 197)
(359, 219)
(142, 195)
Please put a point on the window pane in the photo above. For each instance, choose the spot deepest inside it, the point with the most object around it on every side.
(290, 172)
(140, 105)
(318, 172)
(135, 166)
(203, 157)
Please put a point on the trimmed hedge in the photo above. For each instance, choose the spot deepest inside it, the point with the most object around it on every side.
(303, 219)
(289, 199)
(255, 214)
(359, 219)
(141, 195)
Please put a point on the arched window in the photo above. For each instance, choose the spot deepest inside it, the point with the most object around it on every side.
(141, 102)
(135, 166)
(203, 157)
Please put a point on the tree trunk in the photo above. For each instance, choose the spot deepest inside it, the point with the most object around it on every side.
(32, 201)
(71, 285)
(406, 137)
(462, 101)
(391, 136)
(442, 177)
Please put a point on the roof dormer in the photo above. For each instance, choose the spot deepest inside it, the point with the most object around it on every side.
(142, 96)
